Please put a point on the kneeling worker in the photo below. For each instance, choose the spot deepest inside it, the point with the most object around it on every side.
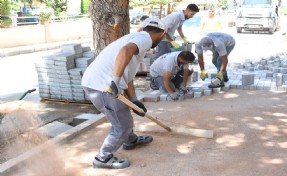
(170, 72)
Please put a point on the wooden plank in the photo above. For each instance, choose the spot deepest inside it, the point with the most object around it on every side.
(176, 130)
(65, 101)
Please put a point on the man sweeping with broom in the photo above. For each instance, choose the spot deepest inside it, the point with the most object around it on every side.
(115, 67)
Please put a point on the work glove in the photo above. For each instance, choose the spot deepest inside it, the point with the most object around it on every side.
(135, 101)
(183, 89)
(219, 75)
(113, 89)
(185, 41)
(175, 45)
(203, 75)
(174, 96)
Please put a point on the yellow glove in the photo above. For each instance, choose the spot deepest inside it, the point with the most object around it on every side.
(174, 44)
(220, 75)
(185, 41)
(203, 74)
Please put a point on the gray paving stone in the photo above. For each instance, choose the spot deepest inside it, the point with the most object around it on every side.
(189, 95)
(53, 129)
(86, 48)
(194, 76)
(65, 64)
(66, 89)
(269, 74)
(76, 81)
(62, 72)
(207, 91)
(216, 90)
(78, 55)
(82, 98)
(279, 79)
(71, 46)
(83, 117)
(76, 90)
(78, 94)
(82, 65)
(247, 79)
(76, 71)
(60, 76)
(66, 57)
(226, 86)
(283, 70)
(44, 95)
(76, 77)
(197, 94)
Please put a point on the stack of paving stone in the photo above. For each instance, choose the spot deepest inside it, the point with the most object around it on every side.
(144, 66)
(60, 74)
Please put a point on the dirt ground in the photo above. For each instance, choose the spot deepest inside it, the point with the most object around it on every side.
(250, 139)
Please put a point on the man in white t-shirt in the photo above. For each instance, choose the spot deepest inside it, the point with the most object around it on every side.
(170, 72)
(107, 76)
(174, 21)
(221, 44)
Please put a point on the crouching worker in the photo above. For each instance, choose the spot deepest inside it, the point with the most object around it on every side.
(221, 44)
(110, 74)
(170, 72)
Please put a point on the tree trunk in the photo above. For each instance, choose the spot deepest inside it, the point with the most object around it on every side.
(110, 20)
(160, 11)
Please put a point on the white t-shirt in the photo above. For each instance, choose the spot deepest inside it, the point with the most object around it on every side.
(99, 74)
(220, 41)
(166, 62)
(173, 21)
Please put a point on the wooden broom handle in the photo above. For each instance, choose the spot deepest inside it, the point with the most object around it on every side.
(135, 107)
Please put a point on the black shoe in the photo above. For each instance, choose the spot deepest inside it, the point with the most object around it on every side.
(216, 86)
(141, 140)
(111, 163)
(225, 79)
(153, 85)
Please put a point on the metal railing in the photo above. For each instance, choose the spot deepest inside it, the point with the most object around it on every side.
(29, 20)
(26, 20)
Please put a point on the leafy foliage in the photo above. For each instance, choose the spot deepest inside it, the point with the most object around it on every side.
(85, 6)
(135, 3)
(57, 5)
(4, 7)
(222, 4)
(5, 22)
(44, 17)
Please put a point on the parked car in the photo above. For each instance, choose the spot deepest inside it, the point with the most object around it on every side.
(135, 16)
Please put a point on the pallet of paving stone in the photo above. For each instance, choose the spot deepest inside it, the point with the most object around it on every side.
(60, 101)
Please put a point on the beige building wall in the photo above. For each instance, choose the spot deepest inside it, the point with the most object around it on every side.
(39, 34)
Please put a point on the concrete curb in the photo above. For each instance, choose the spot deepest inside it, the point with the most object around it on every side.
(12, 164)
(5, 52)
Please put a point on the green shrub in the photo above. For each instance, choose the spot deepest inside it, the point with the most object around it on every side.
(4, 7)
(85, 6)
(5, 22)
(44, 17)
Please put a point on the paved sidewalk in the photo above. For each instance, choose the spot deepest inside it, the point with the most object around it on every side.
(5, 52)
(249, 140)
